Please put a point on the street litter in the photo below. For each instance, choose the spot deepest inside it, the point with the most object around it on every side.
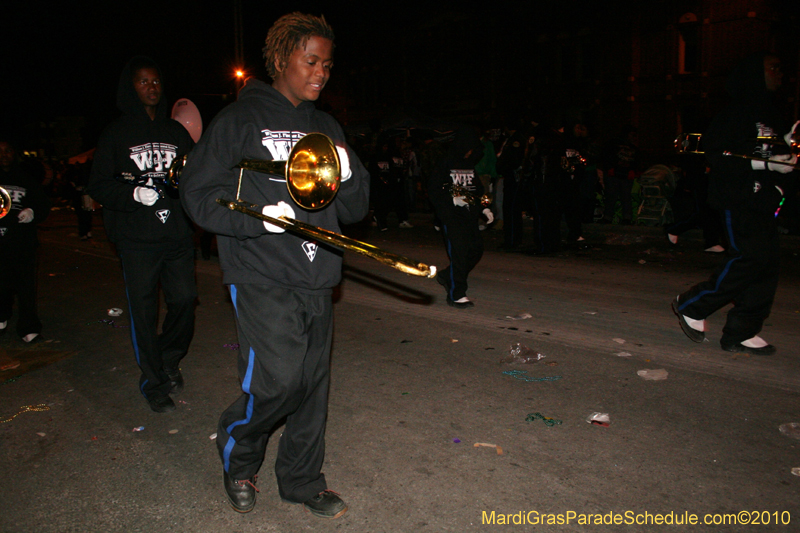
(796, 471)
(622, 354)
(453, 340)
(173, 431)
(9, 366)
(642, 261)
(213, 436)
(548, 421)
(590, 312)
(25, 409)
(115, 311)
(487, 445)
(41, 434)
(521, 354)
(653, 375)
(456, 440)
(140, 428)
(791, 429)
(520, 375)
(599, 419)
(523, 316)
(620, 341)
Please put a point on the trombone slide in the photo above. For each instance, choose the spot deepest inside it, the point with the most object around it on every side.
(399, 262)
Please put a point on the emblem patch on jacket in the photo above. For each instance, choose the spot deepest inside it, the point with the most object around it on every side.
(310, 248)
(756, 186)
(3, 232)
(163, 215)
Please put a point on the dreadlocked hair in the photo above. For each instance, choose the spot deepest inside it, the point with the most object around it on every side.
(289, 32)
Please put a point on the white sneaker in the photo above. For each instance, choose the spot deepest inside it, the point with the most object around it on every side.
(672, 238)
(405, 224)
(30, 337)
(715, 249)
(3, 325)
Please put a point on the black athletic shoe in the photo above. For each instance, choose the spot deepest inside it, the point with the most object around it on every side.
(161, 404)
(326, 504)
(241, 493)
(740, 348)
(175, 380)
(693, 334)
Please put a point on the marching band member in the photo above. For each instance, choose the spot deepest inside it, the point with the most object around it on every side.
(280, 284)
(746, 193)
(152, 234)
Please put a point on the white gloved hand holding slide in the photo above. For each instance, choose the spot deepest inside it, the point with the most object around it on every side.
(276, 211)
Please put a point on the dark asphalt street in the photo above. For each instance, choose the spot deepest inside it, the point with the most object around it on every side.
(415, 386)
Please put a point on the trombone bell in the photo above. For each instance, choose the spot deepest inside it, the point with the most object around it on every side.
(312, 171)
(5, 202)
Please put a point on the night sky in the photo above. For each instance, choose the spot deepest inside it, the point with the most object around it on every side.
(64, 58)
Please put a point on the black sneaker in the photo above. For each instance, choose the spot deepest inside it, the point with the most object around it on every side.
(241, 493)
(326, 504)
(740, 348)
(693, 334)
(175, 380)
(161, 404)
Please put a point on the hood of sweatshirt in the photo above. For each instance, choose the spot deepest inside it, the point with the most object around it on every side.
(128, 101)
(746, 81)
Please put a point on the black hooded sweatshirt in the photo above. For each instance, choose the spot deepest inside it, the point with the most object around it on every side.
(25, 192)
(263, 124)
(456, 169)
(145, 147)
(752, 113)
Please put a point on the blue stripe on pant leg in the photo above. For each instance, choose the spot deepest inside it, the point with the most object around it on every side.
(133, 328)
(248, 377)
(449, 255)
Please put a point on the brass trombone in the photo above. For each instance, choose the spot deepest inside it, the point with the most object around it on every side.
(312, 177)
(689, 143)
(5, 202)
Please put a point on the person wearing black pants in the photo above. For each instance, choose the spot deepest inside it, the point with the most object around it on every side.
(18, 242)
(747, 192)
(159, 354)
(455, 192)
(281, 283)
(152, 234)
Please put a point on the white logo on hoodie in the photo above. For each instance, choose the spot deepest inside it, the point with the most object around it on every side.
(163, 215)
(310, 248)
(156, 157)
(280, 143)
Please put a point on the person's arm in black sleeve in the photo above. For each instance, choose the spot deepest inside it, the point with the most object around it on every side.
(104, 187)
(211, 173)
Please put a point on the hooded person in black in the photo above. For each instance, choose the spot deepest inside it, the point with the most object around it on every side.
(747, 193)
(18, 241)
(151, 233)
(455, 192)
(281, 283)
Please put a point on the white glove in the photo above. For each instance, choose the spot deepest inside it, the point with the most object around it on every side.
(783, 169)
(25, 216)
(344, 161)
(460, 201)
(788, 137)
(275, 211)
(144, 195)
(489, 216)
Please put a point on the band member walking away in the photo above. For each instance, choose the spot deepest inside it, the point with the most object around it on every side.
(28, 207)
(152, 235)
(747, 193)
(280, 284)
(455, 193)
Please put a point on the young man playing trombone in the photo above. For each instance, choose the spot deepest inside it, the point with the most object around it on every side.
(747, 190)
(280, 283)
